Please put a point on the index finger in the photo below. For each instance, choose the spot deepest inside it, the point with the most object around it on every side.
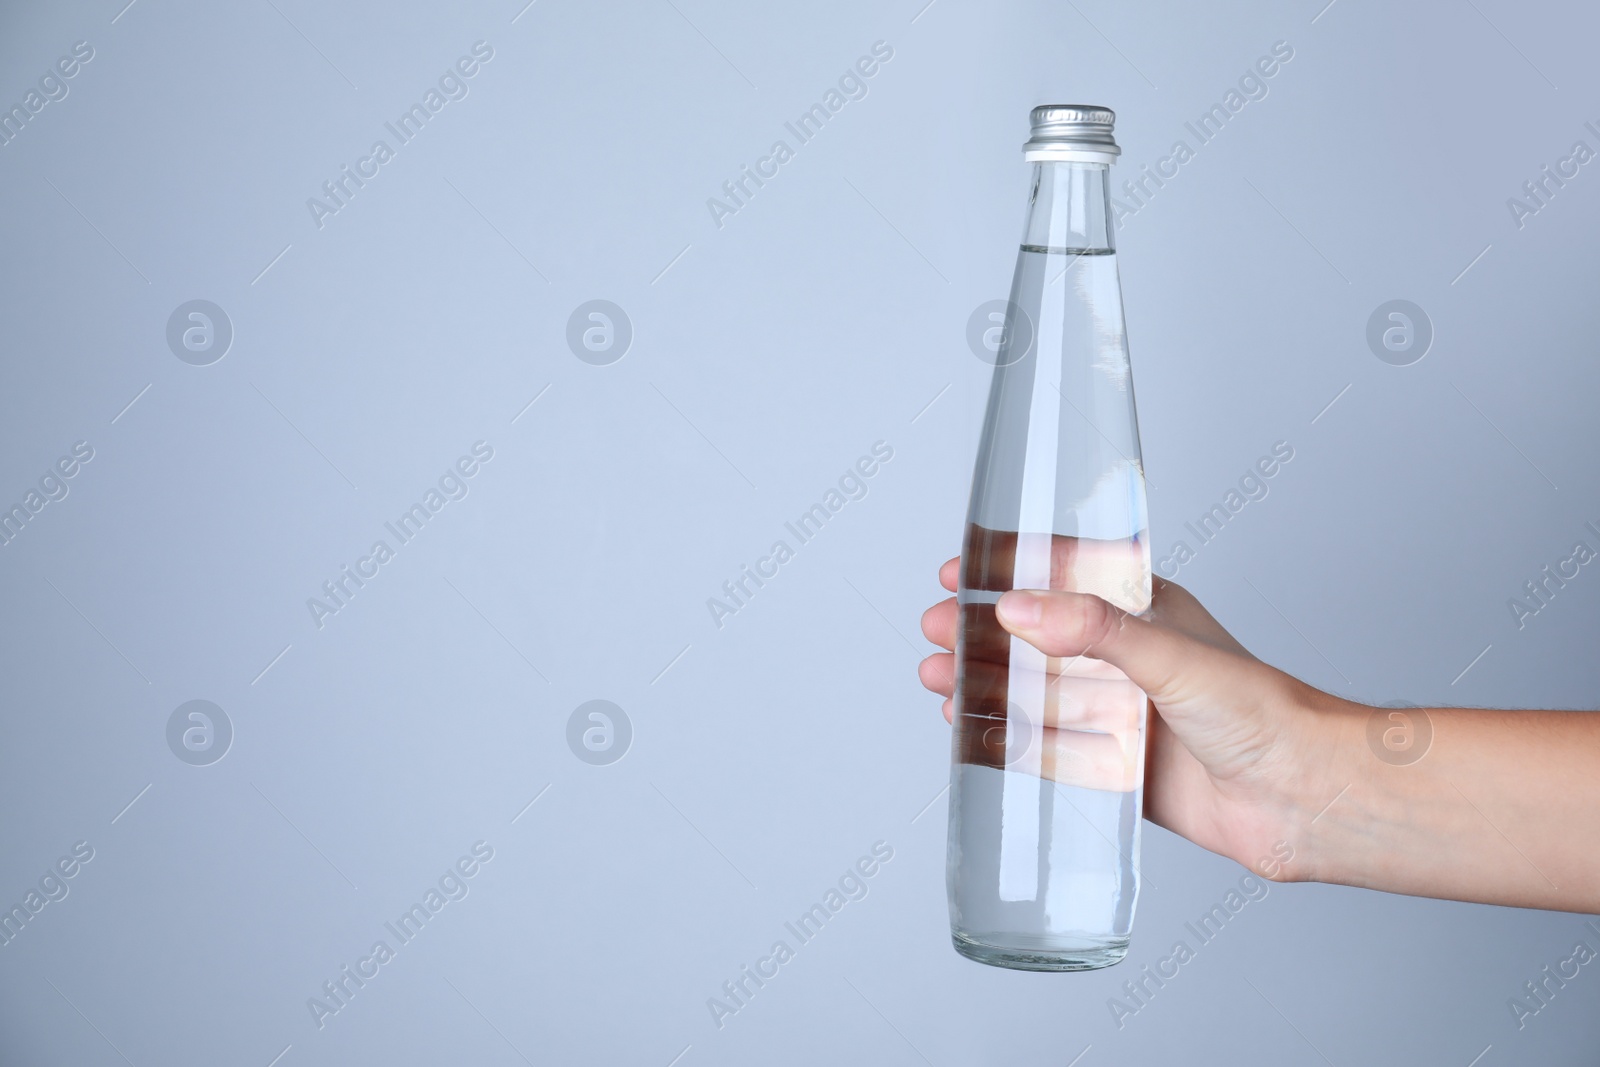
(1116, 569)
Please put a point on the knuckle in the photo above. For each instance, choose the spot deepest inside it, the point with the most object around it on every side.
(1103, 621)
(1081, 618)
(1085, 621)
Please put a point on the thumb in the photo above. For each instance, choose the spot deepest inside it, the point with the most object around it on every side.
(1177, 671)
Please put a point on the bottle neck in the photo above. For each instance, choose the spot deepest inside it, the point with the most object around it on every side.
(1069, 209)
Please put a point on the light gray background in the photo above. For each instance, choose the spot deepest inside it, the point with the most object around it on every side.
(768, 355)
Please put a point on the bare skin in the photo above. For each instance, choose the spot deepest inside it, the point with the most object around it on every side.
(1502, 807)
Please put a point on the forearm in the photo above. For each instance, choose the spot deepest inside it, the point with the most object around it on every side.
(1502, 807)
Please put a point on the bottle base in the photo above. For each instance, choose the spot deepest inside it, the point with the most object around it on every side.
(1085, 957)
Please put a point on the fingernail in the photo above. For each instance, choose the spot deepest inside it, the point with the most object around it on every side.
(1020, 609)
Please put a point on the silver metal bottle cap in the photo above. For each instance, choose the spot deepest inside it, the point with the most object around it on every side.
(1072, 133)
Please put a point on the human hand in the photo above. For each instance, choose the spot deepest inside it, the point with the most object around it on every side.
(1238, 751)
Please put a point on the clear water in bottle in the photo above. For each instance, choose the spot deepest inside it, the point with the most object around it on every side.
(1048, 754)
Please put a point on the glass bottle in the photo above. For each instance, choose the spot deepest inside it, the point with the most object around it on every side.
(1048, 754)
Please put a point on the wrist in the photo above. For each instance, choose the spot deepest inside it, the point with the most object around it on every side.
(1325, 747)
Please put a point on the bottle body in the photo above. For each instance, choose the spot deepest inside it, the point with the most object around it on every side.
(1047, 761)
